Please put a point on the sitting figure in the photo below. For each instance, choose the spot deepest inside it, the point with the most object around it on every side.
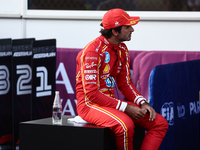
(101, 65)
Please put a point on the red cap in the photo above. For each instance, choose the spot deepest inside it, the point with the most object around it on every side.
(118, 17)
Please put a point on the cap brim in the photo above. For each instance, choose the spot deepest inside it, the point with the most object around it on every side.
(133, 21)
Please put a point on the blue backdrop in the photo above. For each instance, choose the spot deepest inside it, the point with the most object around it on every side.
(174, 92)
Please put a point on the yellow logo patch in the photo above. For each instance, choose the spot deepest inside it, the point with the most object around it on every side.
(106, 69)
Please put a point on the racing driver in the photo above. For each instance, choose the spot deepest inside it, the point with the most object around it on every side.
(101, 65)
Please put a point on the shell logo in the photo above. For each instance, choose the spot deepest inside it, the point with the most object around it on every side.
(106, 69)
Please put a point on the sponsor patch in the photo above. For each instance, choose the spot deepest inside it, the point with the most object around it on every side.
(110, 81)
(87, 65)
(90, 77)
(90, 71)
(90, 83)
(107, 57)
(104, 76)
(91, 58)
(106, 69)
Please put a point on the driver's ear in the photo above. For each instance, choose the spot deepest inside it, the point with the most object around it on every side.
(114, 32)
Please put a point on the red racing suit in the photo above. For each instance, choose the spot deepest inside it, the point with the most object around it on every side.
(100, 66)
